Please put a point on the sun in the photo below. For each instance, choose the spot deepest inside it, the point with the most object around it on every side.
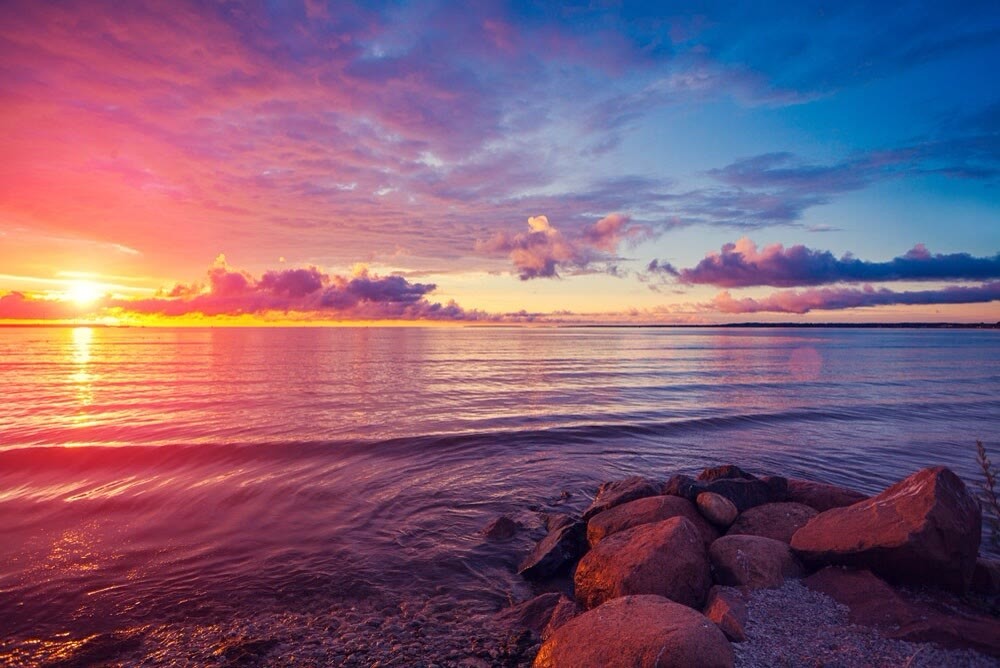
(83, 293)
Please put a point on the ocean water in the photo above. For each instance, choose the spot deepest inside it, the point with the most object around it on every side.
(218, 496)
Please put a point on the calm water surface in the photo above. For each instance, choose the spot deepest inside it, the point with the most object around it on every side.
(199, 485)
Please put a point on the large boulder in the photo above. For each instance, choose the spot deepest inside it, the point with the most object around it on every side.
(637, 632)
(611, 494)
(727, 607)
(820, 495)
(928, 617)
(717, 509)
(743, 493)
(753, 561)
(665, 558)
(644, 511)
(779, 521)
(564, 610)
(924, 529)
(555, 553)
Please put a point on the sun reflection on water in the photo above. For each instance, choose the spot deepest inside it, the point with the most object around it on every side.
(81, 377)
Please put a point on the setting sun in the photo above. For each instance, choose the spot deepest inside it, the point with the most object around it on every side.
(83, 293)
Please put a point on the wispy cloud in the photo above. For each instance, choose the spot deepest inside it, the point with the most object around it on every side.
(804, 301)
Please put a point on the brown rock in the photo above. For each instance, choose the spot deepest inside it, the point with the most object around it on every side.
(753, 561)
(557, 552)
(777, 488)
(644, 511)
(924, 529)
(502, 528)
(534, 614)
(637, 632)
(554, 521)
(726, 471)
(564, 610)
(743, 493)
(717, 509)
(779, 521)
(611, 494)
(938, 618)
(665, 558)
(820, 495)
(727, 608)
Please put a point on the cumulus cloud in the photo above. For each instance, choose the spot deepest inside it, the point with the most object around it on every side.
(306, 293)
(804, 301)
(543, 250)
(742, 264)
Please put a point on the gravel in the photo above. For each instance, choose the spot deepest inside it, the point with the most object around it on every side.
(795, 626)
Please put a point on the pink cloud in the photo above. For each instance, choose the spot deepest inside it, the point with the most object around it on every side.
(543, 251)
(742, 264)
(804, 301)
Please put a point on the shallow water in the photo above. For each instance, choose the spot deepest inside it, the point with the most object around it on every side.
(322, 489)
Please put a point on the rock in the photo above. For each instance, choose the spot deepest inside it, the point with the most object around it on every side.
(753, 561)
(726, 471)
(924, 530)
(637, 631)
(533, 614)
(727, 608)
(779, 521)
(666, 558)
(717, 509)
(644, 511)
(897, 614)
(684, 486)
(986, 577)
(743, 493)
(502, 528)
(611, 494)
(820, 495)
(554, 521)
(777, 488)
(565, 610)
(556, 552)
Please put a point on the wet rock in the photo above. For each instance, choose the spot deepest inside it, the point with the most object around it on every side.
(565, 610)
(501, 528)
(777, 488)
(753, 561)
(924, 529)
(645, 511)
(684, 486)
(555, 553)
(666, 558)
(637, 631)
(937, 618)
(533, 614)
(726, 607)
(725, 471)
(779, 521)
(554, 521)
(611, 494)
(986, 577)
(820, 495)
(717, 509)
(744, 494)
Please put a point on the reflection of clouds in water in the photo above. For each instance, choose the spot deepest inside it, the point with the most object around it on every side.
(805, 363)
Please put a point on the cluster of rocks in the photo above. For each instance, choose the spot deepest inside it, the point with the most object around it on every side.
(662, 572)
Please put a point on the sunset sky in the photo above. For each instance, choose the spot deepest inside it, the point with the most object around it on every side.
(680, 162)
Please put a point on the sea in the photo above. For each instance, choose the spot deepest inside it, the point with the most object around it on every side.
(316, 496)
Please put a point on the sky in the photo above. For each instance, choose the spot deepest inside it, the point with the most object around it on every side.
(428, 162)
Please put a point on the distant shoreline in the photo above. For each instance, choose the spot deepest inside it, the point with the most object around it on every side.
(734, 325)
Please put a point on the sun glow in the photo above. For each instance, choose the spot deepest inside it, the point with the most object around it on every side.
(83, 293)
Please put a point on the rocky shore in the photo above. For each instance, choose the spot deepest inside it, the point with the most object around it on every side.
(729, 568)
